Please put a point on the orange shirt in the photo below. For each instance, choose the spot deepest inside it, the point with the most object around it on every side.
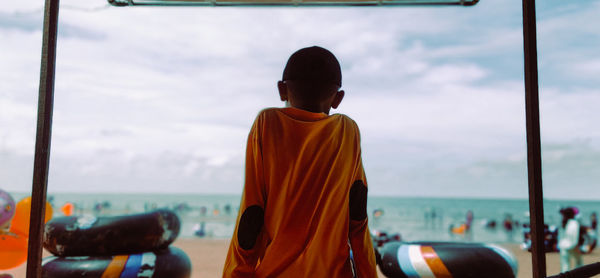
(300, 167)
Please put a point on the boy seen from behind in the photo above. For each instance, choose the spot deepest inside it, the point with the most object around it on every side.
(305, 194)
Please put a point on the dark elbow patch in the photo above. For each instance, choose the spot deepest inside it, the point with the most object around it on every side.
(249, 227)
(358, 201)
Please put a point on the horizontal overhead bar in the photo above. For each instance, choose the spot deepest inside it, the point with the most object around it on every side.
(121, 3)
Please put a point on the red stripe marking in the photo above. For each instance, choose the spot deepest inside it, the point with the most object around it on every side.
(115, 267)
(435, 263)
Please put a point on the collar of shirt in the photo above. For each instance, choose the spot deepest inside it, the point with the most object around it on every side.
(303, 114)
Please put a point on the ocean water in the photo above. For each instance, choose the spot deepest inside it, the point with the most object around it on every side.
(412, 218)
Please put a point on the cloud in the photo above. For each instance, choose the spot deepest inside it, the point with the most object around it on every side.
(28, 22)
(112, 171)
(566, 115)
(589, 69)
(16, 172)
(17, 132)
(32, 20)
(569, 172)
(564, 36)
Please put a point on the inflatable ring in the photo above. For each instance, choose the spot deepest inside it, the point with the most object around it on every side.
(91, 236)
(7, 209)
(446, 259)
(167, 263)
(461, 229)
(13, 250)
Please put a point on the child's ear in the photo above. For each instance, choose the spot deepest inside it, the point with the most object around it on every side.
(283, 91)
(339, 95)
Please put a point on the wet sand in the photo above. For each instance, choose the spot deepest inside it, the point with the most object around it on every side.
(208, 256)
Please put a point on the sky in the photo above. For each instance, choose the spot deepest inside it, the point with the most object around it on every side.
(161, 100)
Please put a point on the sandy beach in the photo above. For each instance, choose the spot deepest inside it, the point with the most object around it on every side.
(208, 255)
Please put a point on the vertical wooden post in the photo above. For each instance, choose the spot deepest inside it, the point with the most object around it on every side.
(42, 140)
(534, 153)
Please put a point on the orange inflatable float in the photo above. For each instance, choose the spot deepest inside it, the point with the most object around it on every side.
(460, 229)
(67, 209)
(13, 250)
(20, 222)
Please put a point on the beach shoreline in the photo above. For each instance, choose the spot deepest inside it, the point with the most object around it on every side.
(208, 257)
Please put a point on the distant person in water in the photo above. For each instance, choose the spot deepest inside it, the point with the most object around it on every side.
(594, 221)
(304, 205)
(465, 227)
(568, 239)
(469, 219)
(508, 225)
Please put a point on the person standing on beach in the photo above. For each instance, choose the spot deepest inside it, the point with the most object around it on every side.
(568, 239)
(303, 208)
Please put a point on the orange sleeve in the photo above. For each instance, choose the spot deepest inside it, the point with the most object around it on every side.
(248, 241)
(360, 237)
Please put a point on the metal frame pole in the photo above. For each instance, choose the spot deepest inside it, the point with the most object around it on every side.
(534, 154)
(42, 140)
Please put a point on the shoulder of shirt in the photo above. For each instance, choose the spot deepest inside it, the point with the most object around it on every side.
(268, 111)
(345, 118)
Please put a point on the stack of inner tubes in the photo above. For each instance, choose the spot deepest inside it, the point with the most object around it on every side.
(119, 246)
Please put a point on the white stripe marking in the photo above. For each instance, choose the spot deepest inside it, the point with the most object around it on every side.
(147, 265)
(418, 262)
(404, 262)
